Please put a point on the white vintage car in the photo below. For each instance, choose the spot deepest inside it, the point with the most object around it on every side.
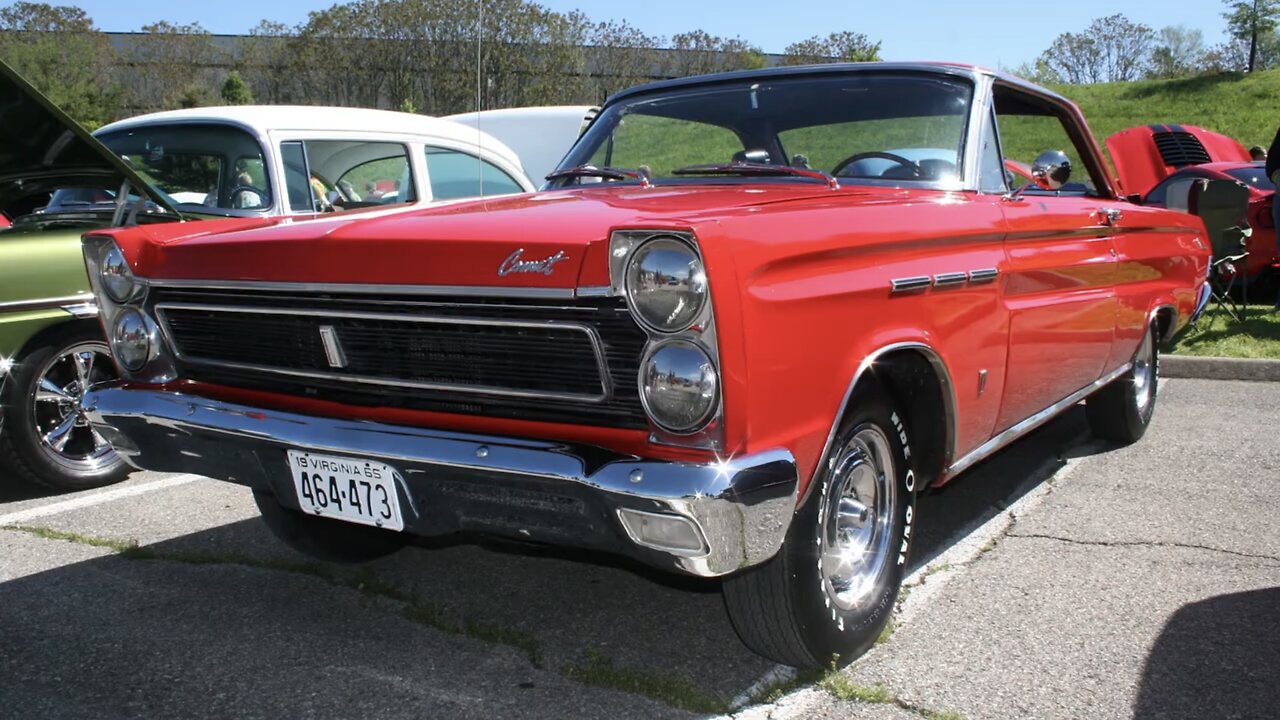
(286, 160)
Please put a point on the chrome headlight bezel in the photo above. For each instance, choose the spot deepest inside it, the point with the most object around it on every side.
(133, 339)
(699, 330)
(707, 384)
(683, 289)
(117, 278)
(158, 366)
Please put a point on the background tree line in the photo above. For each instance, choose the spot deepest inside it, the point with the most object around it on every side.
(1114, 49)
(415, 55)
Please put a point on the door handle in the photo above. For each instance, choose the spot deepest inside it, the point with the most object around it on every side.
(1108, 216)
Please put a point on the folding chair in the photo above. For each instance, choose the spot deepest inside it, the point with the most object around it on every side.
(1223, 206)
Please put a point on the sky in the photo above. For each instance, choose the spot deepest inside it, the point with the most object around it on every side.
(994, 33)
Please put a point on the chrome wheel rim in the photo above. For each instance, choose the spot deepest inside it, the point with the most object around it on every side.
(64, 432)
(857, 518)
(1144, 371)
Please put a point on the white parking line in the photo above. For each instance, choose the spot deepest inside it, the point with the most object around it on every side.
(98, 498)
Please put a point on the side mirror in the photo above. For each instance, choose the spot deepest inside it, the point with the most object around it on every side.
(1051, 170)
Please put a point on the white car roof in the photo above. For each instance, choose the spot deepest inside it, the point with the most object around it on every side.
(262, 119)
(541, 136)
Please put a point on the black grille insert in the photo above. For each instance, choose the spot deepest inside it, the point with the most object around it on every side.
(571, 361)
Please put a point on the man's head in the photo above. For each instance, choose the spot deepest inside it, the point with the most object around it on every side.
(1258, 153)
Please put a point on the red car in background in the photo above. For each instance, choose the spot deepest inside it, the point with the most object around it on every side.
(1151, 157)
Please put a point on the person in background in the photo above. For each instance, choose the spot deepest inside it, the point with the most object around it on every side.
(1257, 154)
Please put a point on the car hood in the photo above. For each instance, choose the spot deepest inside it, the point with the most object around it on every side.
(552, 239)
(1145, 155)
(45, 149)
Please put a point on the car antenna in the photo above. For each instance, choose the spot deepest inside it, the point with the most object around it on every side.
(479, 71)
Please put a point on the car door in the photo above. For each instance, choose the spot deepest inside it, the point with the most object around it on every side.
(1059, 285)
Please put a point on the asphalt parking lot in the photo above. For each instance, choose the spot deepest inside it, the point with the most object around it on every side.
(1061, 579)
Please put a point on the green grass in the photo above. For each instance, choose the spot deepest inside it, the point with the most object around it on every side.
(840, 686)
(599, 671)
(1217, 335)
(1245, 107)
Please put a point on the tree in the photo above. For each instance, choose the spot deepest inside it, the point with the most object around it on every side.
(843, 46)
(235, 92)
(172, 66)
(698, 53)
(1111, 49)
(1250, 20)
(1178, 51)
(59, 51)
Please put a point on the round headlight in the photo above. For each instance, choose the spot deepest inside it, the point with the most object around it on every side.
(678, 386)
(666, 285)
(117, 278)
(131, 340)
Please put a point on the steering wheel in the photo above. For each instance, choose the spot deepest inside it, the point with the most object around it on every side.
(913, 167)
(256, 193)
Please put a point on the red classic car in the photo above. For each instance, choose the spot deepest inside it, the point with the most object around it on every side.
(750, 318)
(1150, 158)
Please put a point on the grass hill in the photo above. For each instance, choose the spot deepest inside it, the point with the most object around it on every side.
(1244, 106)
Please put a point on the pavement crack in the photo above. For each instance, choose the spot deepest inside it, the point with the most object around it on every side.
(1144, 543)
(412, 607)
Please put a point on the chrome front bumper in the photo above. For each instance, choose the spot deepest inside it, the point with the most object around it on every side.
(528, 489)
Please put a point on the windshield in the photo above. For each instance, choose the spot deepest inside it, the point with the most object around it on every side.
(875, 128)
(1255, 176)
(203, 168)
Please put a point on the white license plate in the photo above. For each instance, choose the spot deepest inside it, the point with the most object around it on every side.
(343, 488)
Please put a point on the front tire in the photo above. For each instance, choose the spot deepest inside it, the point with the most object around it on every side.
(324, 538)
(46, 439)
(828, 593)
(1121, 411)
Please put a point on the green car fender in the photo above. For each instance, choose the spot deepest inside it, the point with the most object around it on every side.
(42, 285)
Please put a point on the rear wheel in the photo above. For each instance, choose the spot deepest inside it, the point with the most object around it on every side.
(832, 587)
(46, 439)
(1122, 410)
(324, 538)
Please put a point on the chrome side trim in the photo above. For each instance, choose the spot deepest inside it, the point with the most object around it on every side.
(948, 400)
(743, 505)
(909, 284)
(458, 290)
(49, 303)
(596, 344)
(982, 275)
(1004, 437)
(82, 311)
(950, 278)
(594, 291)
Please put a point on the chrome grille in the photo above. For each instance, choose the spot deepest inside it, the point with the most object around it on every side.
(571, 361)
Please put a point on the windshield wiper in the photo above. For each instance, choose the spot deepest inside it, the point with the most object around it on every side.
(611, 173)
(741, 168)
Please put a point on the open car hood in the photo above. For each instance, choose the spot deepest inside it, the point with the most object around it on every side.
(1145, 155)
(45, 149)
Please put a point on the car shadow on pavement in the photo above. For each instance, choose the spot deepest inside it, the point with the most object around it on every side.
(1215, 658)
(494, 619)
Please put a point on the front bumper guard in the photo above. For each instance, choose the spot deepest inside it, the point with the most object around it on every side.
(742, 506)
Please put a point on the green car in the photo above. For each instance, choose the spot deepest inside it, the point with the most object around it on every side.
(56, 182)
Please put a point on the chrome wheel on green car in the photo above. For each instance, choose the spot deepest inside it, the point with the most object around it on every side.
(46, 439)
(65, 434)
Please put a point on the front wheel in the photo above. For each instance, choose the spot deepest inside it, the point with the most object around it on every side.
(47, 440)
(832, 587)
(1122, 410)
